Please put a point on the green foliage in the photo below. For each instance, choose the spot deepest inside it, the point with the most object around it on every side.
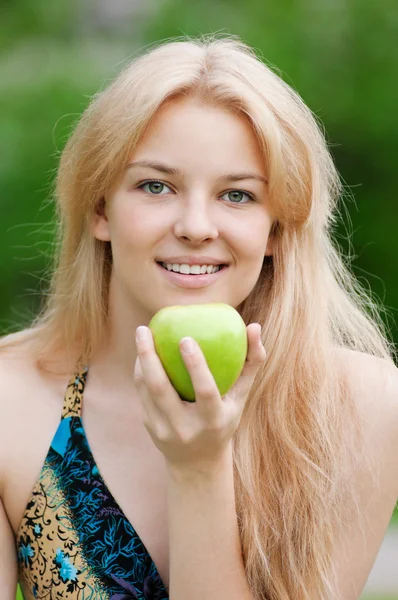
(377, 597)
(341, 57)
(19, 595)
(23, 19)
(394, 519)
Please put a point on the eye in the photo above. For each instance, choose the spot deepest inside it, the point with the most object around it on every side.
(237, 194)
(155, 186)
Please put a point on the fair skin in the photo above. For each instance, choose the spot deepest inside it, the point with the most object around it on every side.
(202, 219)
(198, 211)
(189, 216)
(31, 407)
(191, 213)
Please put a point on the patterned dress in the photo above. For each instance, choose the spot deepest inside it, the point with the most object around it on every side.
(74, 541)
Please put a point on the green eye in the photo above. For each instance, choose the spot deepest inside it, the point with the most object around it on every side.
(238, 194)
(154, 189)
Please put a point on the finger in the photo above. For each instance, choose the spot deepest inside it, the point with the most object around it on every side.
(153, 373)
(207, 396)
(151, 413)
(256, 351)
(256, 356)
(138, 375)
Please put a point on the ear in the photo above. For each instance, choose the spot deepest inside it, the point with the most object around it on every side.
(100, 223)
(269, 251)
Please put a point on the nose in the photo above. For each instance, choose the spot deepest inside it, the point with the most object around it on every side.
(195, 221)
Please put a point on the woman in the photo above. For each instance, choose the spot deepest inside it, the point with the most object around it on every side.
(197, 154)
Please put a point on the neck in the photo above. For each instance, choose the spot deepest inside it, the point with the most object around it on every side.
(112, 363)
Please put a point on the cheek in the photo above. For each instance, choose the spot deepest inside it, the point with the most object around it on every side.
(250, 243)
(256, 243)
(134, 231)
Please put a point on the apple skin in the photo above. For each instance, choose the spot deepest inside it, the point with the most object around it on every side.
(218, 329)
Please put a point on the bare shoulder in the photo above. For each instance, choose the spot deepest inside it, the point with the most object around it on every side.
(17, 381)
(24, 399)
(374, 380)
(17, 376)
(374, 383)
(363, 361)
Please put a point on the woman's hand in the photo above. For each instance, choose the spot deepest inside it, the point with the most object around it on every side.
(193, 435)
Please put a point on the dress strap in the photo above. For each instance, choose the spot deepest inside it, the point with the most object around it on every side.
(74, 393)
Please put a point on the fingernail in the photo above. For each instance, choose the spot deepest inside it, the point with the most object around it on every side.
(141, 333)
(187, 345)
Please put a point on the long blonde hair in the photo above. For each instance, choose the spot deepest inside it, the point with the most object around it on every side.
(299, 440)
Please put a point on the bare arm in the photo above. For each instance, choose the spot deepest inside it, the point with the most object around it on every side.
(8, 558)
(205, 554)
(205, 551)
(376, 384)
(8, 554)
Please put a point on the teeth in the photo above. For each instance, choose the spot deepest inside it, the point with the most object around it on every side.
(191, 270)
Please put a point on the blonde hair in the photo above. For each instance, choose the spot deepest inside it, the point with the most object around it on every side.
(299, 440)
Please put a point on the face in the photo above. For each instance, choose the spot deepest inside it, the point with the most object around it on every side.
(198, 205)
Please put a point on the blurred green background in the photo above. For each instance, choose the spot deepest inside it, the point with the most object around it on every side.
(340, 56)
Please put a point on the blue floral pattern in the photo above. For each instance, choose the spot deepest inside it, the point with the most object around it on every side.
(74, 541)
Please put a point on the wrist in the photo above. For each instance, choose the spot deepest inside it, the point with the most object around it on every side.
(204, 471)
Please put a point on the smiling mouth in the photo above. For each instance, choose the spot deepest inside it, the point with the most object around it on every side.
(219, 268)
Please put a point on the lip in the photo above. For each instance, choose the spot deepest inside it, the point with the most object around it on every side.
(192, 260)
(192, 281)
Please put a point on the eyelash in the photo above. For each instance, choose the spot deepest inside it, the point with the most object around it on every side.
(251, 197)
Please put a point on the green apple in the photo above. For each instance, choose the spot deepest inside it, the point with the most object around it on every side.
(218, 329)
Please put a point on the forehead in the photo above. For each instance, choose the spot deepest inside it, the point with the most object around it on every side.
(190, 128)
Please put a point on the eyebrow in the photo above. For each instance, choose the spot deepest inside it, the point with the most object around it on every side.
(174, 171)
